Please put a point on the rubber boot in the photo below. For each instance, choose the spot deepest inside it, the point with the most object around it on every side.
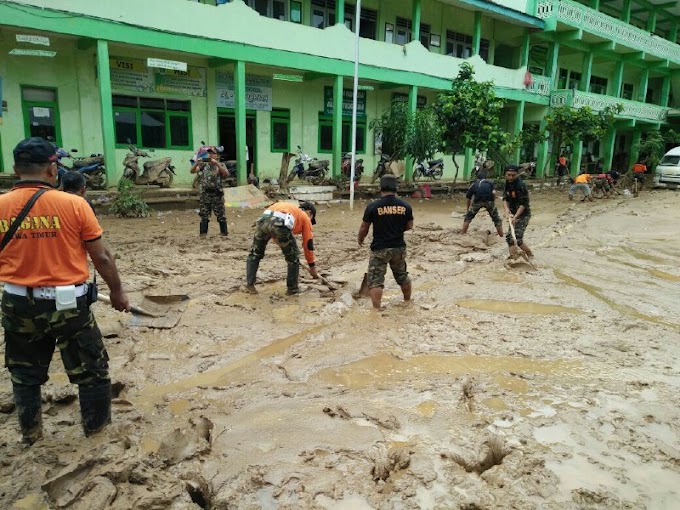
(95, 406)
(223, 228)
(466, 224)
(292, 278)
(499, 230)
(29, 411)
(526, 249)
(203, 228)
(252, 263)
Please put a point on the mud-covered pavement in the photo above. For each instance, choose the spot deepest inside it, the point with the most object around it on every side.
(495, 388)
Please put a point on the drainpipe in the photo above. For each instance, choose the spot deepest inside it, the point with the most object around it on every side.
(337, 126)
(108, 130)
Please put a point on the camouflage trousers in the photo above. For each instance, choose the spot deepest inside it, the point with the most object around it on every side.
(270, 227)
(520, 226)
(377, 266)
(212, 202)
(490, 207)
(33, 327)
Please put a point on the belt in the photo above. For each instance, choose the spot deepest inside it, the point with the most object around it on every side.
(276, 214)
(41, 292)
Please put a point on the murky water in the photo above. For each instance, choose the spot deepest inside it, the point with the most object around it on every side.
(491, 305)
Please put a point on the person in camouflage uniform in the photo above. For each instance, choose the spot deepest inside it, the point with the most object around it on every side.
(481, 195)
(45, 301)
(211, 172)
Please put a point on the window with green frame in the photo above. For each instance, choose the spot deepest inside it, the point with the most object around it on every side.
(280, 130)
(152, 122)
(326, 134)
(40, 107)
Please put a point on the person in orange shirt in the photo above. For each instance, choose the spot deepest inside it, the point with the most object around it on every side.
(639, 170)
(562, 168)
(581, 183)
(45, 300)
(281, 222)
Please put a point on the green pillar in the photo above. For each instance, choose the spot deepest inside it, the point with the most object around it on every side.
(634, 145)
(519, 124)
(108, 130)
(340, 12)
(625, 11)
(595, 4)
(608, 147)
(467, 165)
(576, 158)
(644, 82)
(673, 35)
(651, 21)
(415, 21)
(213, 129)
(477, 33)
(240, 114)
(542, 157)
(412, 107)
(524, 50)
(586, 72)
(553, 60)
(337, 126)
(665, 91)
(617, 82)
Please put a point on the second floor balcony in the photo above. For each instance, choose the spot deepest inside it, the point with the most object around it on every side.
(631, 109)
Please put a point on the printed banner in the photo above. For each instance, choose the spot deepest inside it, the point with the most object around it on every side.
(347, 97)
(258, 91)
(135, 75)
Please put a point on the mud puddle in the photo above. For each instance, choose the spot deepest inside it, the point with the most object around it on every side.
(490, 305)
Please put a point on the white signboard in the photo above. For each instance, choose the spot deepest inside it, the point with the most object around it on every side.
(32, 53)
(258, 91)
(166, 64)
(34, 39)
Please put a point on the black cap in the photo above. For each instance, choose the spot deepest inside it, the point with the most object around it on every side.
(481, 175)
(308, 206)
(35, 150)
(388, 183)
(512, 168)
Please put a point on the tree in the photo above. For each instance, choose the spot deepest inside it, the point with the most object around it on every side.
(392, 126)
(653, 146)
(566, 125)
(424, 135)
(469, 115)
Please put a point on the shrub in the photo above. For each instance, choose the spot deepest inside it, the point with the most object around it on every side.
(127, 203)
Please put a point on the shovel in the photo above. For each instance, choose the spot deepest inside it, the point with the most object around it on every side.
(321, 278)
(138, 310)
(363, 289)
(518, 251)
(172, 305)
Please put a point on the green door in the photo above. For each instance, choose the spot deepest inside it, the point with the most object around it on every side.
(41, 113)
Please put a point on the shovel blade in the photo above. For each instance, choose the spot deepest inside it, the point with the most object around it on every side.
(363, 289)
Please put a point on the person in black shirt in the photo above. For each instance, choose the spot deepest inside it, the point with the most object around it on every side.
(517, 210)
(481, 195)
(390, 218)
(76, 184)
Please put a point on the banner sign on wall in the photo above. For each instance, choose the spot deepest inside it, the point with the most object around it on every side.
(258, 91)
(136, 76)
(347, 96)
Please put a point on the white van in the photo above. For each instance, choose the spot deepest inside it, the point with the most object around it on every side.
(667, 174)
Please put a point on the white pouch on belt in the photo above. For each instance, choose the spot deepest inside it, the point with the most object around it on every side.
(289, 222)
(65, 297)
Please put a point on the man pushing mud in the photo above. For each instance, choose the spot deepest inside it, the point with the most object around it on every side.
(516, 209)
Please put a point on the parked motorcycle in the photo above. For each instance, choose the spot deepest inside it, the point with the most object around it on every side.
(91, 167)
(433, 170)
(382, 168)
(158, 172)
(315, 171)
(202, 153)
(347, 167)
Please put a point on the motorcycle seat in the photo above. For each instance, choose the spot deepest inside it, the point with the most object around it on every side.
(321, 163)
(81, 162)
(435, 162)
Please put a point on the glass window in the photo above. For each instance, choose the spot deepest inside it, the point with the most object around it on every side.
(598, 85)
(126, 127)
(179, 130)
(562, 80)
(326, 134)
(458, 45)
(627, 91)
(41, 113)
(271, 8)
(280, 130)
(279, 10)
(152, 122)
(125, 101)
(38, 94)
(574, 80)
(153, 129)
(369, 24)
(296, 12)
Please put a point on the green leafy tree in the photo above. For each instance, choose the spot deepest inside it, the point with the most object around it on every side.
(424, 135)
(393, 127)
(469, 115)
(566, 125)
(653, 146)
(127, 203)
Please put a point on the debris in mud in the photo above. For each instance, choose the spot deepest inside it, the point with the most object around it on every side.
(181, 444)
(6, 403)
(491, 454)
(467, 396)
(395, 459)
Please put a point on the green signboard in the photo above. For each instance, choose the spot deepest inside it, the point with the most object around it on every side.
(346, 102)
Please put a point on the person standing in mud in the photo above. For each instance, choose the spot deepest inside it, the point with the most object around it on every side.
(390, 217)
(211, 172)
(562, 167)
(481, 195)
(516, 209)
(280, 223)
(45, 301)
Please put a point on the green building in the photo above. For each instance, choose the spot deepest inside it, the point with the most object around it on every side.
(263, 76)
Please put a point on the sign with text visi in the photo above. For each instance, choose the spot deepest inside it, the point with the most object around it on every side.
(346, 102)
(136, 76)
(258, 91)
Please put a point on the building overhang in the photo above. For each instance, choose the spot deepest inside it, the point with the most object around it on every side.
(498, 12)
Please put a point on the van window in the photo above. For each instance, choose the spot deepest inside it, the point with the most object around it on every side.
(670, 160)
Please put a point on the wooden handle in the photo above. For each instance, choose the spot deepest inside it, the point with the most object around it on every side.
(134, 309)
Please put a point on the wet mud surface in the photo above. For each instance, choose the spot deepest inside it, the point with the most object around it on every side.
(495, 388)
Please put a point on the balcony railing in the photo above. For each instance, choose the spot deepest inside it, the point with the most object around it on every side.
(540, 86)
(598, 23)
(598, 102)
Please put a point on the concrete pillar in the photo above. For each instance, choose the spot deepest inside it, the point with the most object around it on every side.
(665, 90)
(340, 12)
(108, 126)
(415, 21)
(240, 119)
(524, 50)
(542, 157)
(412, 107)
(469, 162)
(337, 126)
(553, 61)
(211, 101)
(586, 72)
(644, 82)
(477, 33)
(625, 11)
(617, 81)
(633, 156)
(673, 35)
(595, 4)
(519, 124)
(651, 21)
(576, 158)
(608, 149)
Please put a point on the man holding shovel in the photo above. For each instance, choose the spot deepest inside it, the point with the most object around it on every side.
(390, 217)
(45, 300)
(517, 211)
(481, 195)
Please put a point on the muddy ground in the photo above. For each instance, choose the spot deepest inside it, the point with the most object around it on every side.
(495, 388)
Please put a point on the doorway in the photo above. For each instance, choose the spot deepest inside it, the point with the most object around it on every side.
(226, 123)
(41, 113)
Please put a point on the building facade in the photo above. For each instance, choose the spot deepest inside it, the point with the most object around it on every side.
(261, 77)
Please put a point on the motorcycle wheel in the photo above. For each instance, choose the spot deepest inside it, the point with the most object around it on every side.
(438, 173)
(166, 180)
(98, 181)
(378, 173)
(417, 174)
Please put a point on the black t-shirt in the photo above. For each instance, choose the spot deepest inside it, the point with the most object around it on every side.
(389, 217)
(516, 194)
(481, 190)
